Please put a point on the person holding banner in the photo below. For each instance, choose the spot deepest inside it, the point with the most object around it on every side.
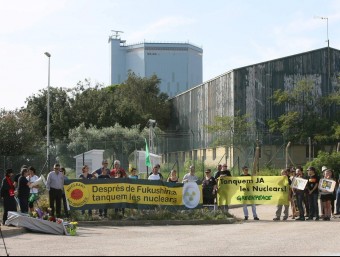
(245, 170)
(103, 175)
(209, 188)
(104, 166)
(279, 208)
(190, 177)
(119, 175)
(155, 175)
(173, 177)
(117, 169)
(133, 173)
(86, 175)
(299, 194)
(223, 172)
(312, 185)
(327, 196)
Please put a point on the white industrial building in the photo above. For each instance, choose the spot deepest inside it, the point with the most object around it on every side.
(178, 65)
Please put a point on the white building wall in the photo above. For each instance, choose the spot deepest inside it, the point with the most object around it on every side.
(118, 62)
(178, 65)
(135, 61)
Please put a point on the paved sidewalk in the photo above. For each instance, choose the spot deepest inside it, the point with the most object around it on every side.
(8, 231)
(265, 213)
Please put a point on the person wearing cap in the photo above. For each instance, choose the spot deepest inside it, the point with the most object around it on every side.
(312, 186)
(326, 197)
(245, 170)
(7, 193)
(209, 188)
(99, 171)
(190, 176)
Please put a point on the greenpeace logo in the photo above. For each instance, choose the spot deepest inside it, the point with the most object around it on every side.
(254, 198)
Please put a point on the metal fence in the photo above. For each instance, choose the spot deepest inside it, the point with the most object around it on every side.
(178, 151)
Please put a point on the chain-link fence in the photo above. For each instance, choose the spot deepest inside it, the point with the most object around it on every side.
(178, 151)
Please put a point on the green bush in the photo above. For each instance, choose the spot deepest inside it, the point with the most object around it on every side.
(330, 160)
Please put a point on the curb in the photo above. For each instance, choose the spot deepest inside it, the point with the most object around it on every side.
(12, 231)
(123, 223)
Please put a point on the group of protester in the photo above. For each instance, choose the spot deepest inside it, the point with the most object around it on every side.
(303, 202)
(19, 191)
(209, 187)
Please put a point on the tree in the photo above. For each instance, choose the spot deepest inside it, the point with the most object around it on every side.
(139, 99)
(306, 114)
(330, 160)
(61, 118)
(19, 134)
(232, 130)
(117, 141)
(93, 105)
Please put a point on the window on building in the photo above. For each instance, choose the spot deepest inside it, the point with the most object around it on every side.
(195, 155)
(214, 154)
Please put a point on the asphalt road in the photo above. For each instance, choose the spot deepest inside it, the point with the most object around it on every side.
(250, 238)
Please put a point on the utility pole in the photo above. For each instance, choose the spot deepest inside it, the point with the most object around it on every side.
(48, 111)
(328, 57)
(152, 124)
(256, 165)
(287, 155)
(310, 149)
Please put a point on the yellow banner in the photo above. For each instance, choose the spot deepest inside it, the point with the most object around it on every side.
(82, 194)
(253, 190)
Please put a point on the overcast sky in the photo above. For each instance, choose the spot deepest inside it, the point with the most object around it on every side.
(232, 33)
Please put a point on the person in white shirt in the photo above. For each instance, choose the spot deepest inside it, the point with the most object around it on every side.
(190, 177)
(34, 190)
(155, 175)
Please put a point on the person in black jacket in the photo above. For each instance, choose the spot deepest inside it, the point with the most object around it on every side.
(23, 191)
(7, 193)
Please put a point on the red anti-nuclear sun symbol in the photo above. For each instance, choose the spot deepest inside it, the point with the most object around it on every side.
(77, 194)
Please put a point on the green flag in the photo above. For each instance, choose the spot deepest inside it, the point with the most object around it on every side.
(147, 155)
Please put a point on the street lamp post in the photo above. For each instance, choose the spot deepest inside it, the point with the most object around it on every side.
(48, 111)
(328, 54)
